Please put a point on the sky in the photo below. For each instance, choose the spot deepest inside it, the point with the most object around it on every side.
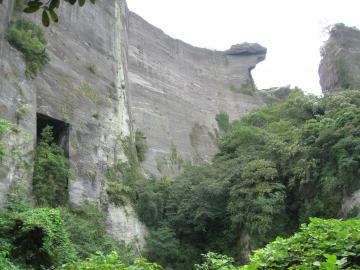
(292, 30)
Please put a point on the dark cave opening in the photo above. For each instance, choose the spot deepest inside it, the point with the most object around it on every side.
(60, 131)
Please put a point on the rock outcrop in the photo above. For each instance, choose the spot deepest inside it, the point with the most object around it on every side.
(176, 90)
(100, 55)
(83, 86)
(340, 64)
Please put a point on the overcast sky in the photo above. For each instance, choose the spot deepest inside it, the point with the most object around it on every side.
(292, 30)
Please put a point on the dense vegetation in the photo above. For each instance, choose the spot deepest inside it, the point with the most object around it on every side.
(29, 39)
(38, 238)
(323, 244)
(276, 168)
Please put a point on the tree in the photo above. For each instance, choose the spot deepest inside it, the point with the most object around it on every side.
(49, 8)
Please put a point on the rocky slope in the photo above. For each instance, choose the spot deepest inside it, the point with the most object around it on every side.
(340, 65)
(176, 90)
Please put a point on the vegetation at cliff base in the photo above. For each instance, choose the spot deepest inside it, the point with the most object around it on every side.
(28, 38)
(277, 167)
(323, 244)
(284, 165)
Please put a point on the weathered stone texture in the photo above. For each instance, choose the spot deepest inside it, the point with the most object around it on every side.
(17, 105)
(176, 90)
(84, 86)
(340, 64)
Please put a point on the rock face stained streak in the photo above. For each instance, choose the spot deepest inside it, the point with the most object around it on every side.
(176, 90)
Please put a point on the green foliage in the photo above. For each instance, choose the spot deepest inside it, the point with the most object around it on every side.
(276, 168)
(125, 179)
(163, 247)
(5, 262)
(174, 156)
(222, 119)
(17, 197)
(28, 38)
(35, 238)
(51, 172)
(257, 199)
(323, 244)
(86, 226)
(213, 261)
(140, 144)
(42, 237)
(109, 262)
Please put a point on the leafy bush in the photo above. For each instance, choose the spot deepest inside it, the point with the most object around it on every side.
(125, 179)
(222, 119)
(316, 246)
(213, 261)
(51, 172)
(86, 227)
(323, 244)
(117, 191)
(5, 263)
(162, 246)
(109, 262)
(28, 38)
(35, 238)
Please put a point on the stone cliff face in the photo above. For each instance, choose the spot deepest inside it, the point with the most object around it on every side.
(340, 66)
(100, 55)
(83, 87)
(176, 90)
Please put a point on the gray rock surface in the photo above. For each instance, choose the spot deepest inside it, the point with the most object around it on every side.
(176, 90)
(247, 49)
(340, 64)
(16, 95)
(84, 85)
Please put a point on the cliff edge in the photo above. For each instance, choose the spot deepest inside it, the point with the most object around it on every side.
(176, 90)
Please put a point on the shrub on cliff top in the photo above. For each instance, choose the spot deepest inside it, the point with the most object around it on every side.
(28, 38)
